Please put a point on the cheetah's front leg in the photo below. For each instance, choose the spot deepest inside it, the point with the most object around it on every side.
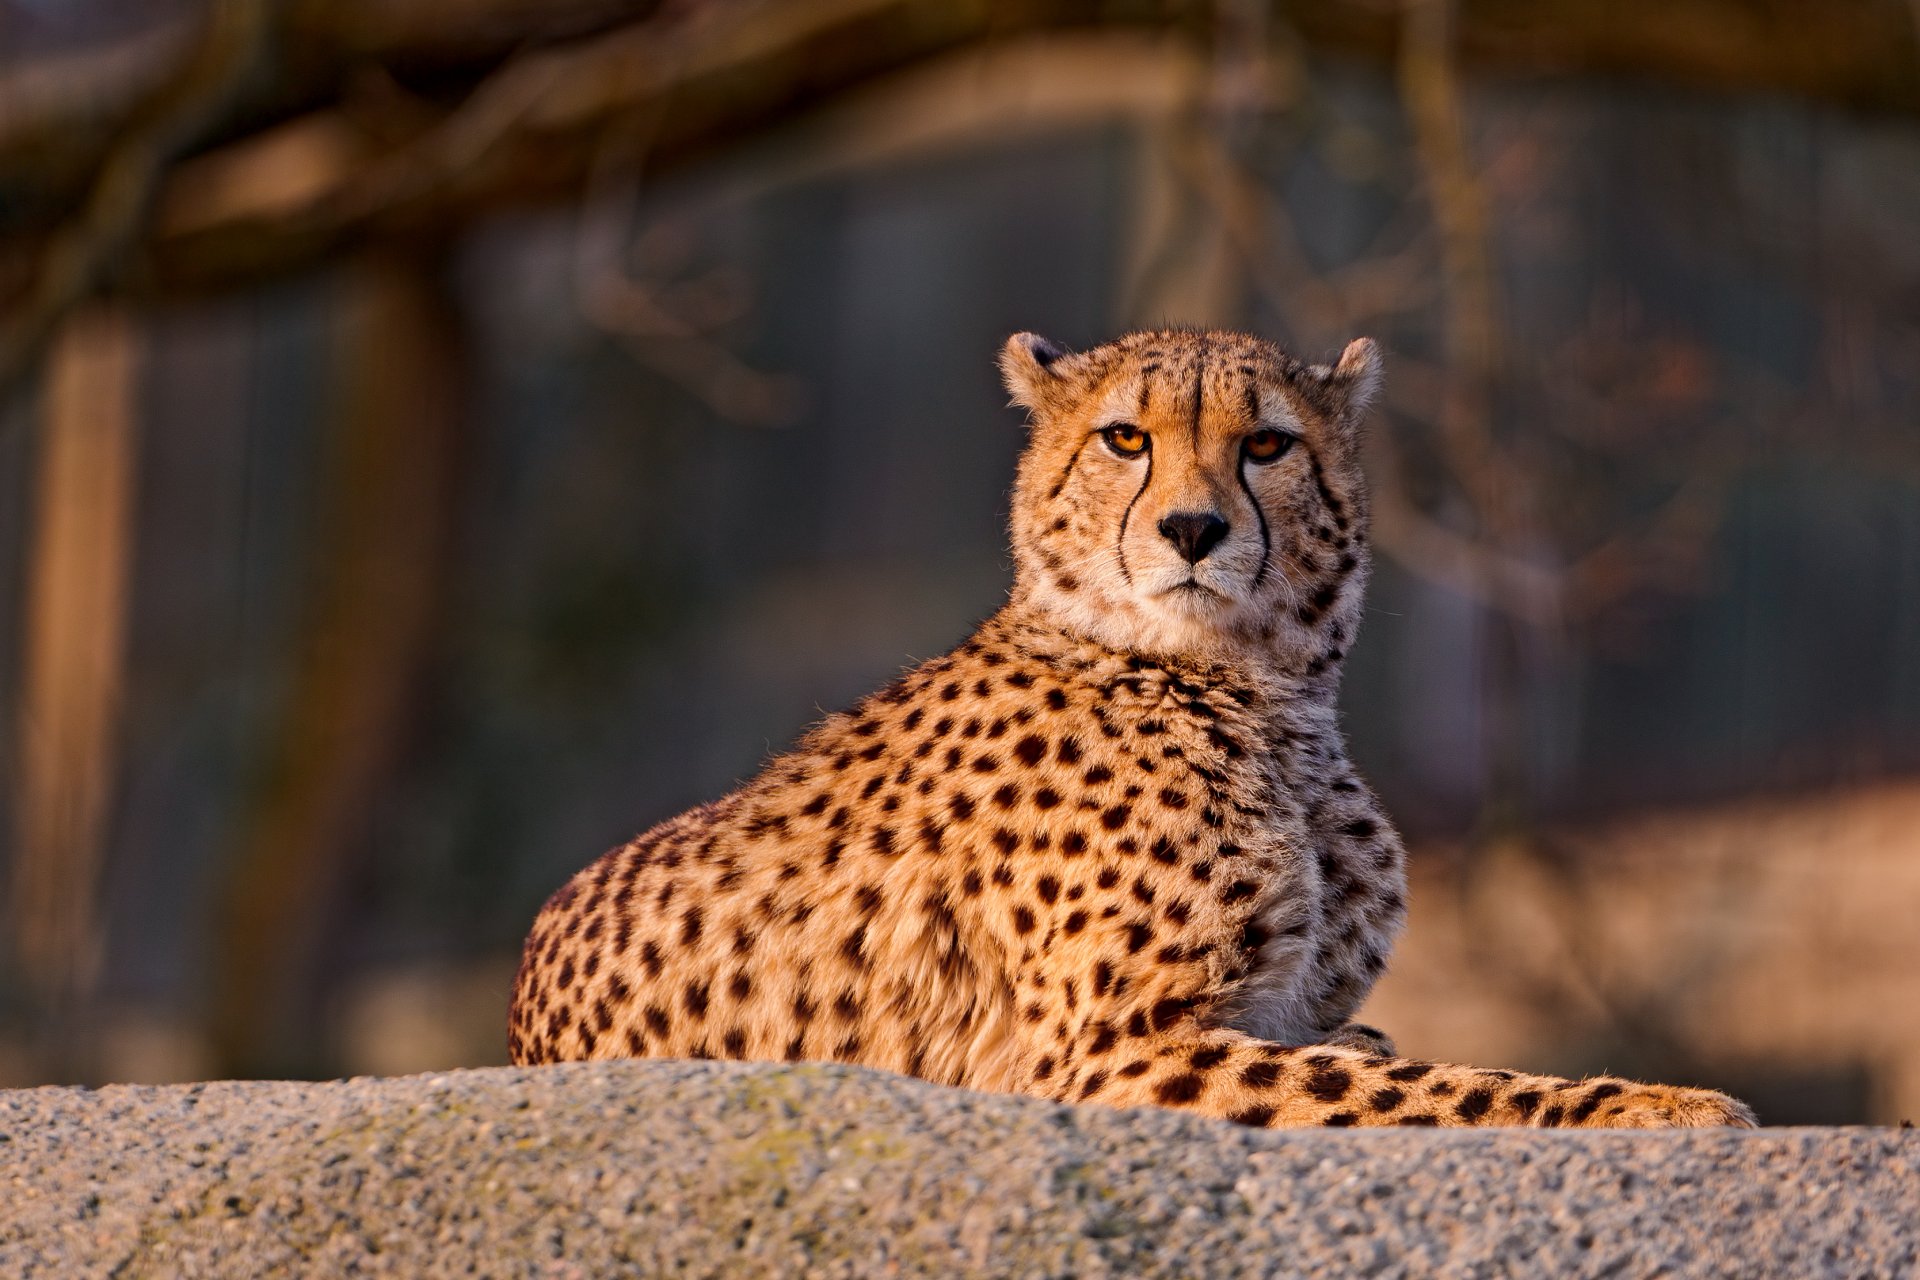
(1229, 1074)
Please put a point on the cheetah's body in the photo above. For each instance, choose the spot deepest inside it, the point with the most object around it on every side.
(1111, 847)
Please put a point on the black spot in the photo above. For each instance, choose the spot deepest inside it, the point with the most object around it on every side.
(1030, 750)
(1022, 920)
(1046, 798)
(1049, 890)
(1600, 1093)
(1410, 1071)
(1341, 1120)
(1258, 1117)
(855, 947)
(1260, 1075)
(1097, 775)
(970, 884)
(1184, 1087)
(1169, 1011)
(1386, 1099)
(735, 1043)
(1525, 1102)
(1328, 1083)
(1138, 937)
(1203, 1059)
(1102, 978)
(1007, 796)
(696, 999)
(1474, 1104)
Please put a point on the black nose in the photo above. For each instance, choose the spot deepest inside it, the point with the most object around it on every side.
(1194, 532)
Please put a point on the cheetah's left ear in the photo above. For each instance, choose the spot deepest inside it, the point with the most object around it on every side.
(1031, 367)
(1347, 389)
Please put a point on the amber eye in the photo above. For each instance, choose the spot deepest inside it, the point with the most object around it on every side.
(1125, 439)
(1266, 445)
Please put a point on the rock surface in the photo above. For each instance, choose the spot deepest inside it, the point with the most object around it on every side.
(725, 1169)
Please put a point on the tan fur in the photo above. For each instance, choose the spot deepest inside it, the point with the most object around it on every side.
(1109, 849)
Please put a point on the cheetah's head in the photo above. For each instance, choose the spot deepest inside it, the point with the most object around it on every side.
(1193, 494)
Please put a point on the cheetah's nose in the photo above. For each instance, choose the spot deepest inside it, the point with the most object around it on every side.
(1194, 532)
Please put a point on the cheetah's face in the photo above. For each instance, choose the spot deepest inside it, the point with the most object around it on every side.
(1189, 492)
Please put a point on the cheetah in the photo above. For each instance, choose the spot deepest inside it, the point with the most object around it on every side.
(1110, 849)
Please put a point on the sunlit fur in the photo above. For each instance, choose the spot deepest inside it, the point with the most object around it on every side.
(1110, 848)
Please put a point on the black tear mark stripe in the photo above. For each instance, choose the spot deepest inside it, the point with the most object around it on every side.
(1061, 483)
(1120, 544)
(1266, 542)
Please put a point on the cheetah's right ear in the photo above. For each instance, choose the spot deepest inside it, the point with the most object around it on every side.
(1030, 366)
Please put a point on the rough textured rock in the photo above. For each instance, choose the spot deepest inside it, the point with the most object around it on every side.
(722, 1169)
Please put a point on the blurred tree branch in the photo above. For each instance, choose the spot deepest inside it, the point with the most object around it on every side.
(503, 102)
(85, 253)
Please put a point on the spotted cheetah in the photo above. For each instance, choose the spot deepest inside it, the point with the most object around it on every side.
(1110, 849)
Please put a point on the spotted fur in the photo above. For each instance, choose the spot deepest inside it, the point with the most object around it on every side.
(1110, 849)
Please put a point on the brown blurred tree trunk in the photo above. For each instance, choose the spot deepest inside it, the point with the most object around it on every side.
(73, 665)
(377, 584)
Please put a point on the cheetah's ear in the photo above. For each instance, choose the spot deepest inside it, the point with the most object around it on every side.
(1030, 365)
(1346, 389)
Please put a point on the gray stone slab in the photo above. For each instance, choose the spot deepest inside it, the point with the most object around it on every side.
(724, 1169)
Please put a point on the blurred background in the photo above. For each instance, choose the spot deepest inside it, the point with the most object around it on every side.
(440, 438)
